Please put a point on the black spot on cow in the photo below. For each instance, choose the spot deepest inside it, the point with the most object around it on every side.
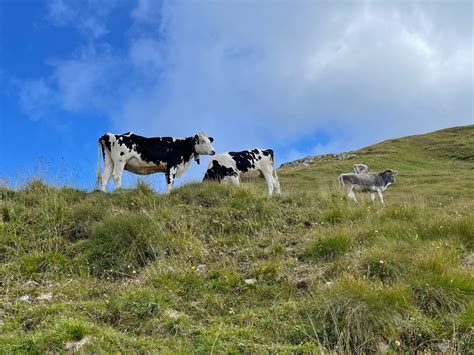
(104, 140)
(122, 153)
(245, 160)
(217, 172)
(269, 152)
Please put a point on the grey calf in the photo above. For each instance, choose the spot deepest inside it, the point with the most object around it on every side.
(371, 182)
(360, 168)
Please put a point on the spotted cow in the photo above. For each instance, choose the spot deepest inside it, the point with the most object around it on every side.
(234, 166)
(144, 156)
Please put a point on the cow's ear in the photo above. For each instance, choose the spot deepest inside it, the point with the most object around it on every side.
(211, 139)
(196, 139)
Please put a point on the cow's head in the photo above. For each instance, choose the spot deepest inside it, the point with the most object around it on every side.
(202, 145)
(390, 176)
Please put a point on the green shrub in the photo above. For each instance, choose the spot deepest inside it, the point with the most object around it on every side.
(118, 245)
(34, 263)
(438, 294)
(353, 315)
(133, 310)
(333, 215)
(329, 247)
(388, 261)
(417, 332)
(463, 228)
(438, 285)
(79, 220)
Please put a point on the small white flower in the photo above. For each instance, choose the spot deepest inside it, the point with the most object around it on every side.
(24, 298)
(250, 281)
(381, 262)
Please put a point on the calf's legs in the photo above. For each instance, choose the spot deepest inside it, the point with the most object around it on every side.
(379, 191)
(351, 195)
(372, 196)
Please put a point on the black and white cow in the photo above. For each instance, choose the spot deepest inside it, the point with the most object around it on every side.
(233, 166)
(360, 168)
(371, 182)
(144, 156)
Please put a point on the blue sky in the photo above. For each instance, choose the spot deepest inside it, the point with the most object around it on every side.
(300, 77)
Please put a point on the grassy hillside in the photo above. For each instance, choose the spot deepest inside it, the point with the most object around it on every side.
(217, 269)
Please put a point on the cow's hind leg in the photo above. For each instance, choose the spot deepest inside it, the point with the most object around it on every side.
(231, 179)
(108, 168)
(372, 196)
(117, 173)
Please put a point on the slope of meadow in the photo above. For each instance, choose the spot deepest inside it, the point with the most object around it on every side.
(212, 268)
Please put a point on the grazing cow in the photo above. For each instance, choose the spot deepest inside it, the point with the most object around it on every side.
(371, 182)
(144, 156)
(233, 166)
(360, 168)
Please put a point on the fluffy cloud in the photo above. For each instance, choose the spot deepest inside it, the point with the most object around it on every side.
(274, 74)
(260, 73)
(89, 16)
(36, 98)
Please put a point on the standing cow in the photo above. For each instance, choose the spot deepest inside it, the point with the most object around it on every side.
(144, 156)
(371, 182)
(360, 168)
(233, 166)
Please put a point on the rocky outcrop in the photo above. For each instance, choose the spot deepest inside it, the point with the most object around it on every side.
(309, 160)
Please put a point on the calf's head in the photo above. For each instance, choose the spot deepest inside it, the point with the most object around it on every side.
(390, 176)
(202, 145)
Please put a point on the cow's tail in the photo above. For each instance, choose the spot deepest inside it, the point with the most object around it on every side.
(100, 149)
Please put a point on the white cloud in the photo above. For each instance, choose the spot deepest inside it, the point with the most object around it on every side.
(272, 73)
(148, 12)
(36, 98)
(260, 73)
(85, 82)
(87, 16)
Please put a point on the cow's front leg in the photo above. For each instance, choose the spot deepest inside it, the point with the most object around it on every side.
(269, 179)
(170, 175)
(276, 183)
(379, 191)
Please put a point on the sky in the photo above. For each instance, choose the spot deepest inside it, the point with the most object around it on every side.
(300, 77)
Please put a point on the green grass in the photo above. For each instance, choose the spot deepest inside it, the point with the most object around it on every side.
(134, 271)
